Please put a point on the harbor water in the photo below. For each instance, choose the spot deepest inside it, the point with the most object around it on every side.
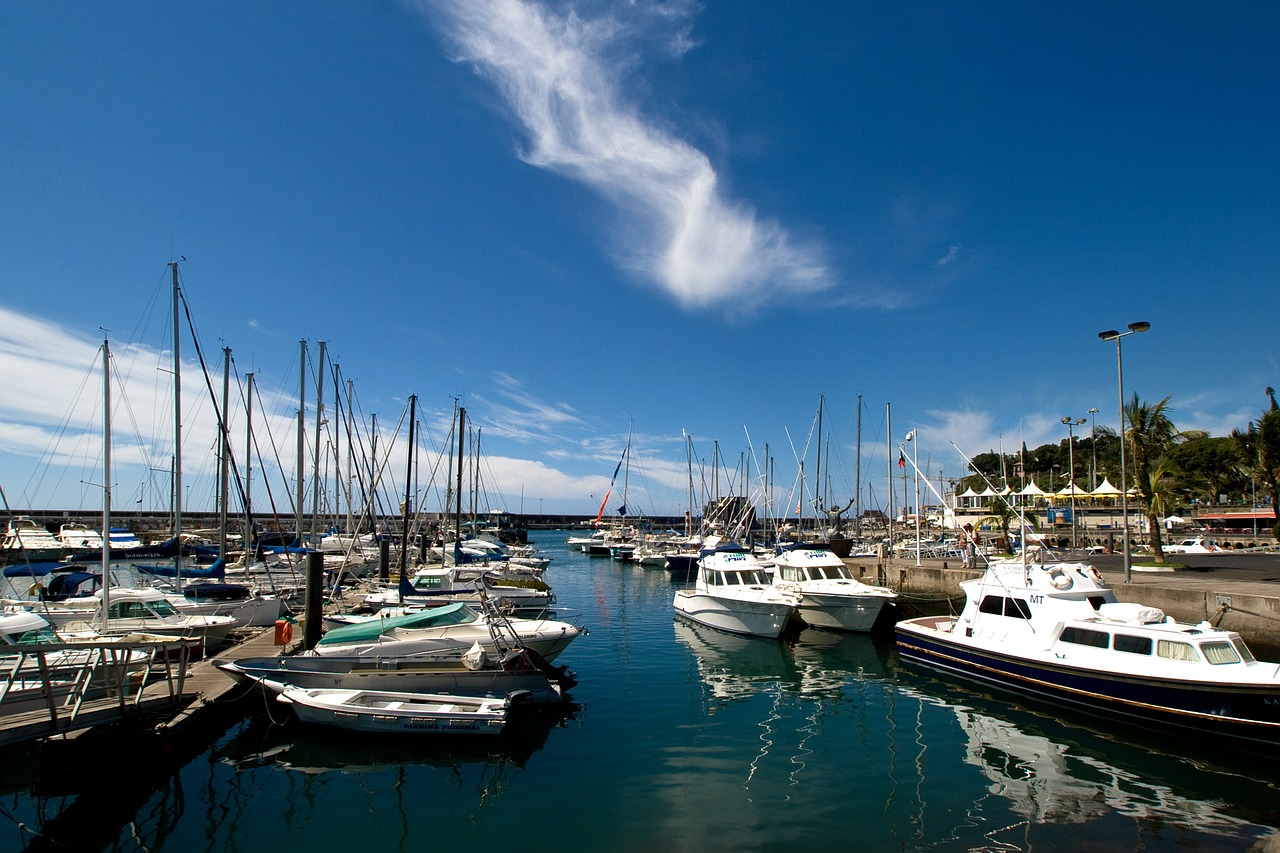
(686, 739)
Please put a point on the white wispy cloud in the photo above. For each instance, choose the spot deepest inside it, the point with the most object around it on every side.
(953, 252)
(559, 74)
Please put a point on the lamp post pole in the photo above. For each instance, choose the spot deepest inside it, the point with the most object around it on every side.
(1071, 481)
(1093, 442)
(915, 463)
(1113, 335)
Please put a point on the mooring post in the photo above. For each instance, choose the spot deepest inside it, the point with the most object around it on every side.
(315, 596)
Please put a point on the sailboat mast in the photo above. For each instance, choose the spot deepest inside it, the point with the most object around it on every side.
(857, 478)
(315, 451)
(177, 433)
(408, 495)
(225, 452)
(106, 483)
(302, 408)
(350, 457)
(818, 491)
(888, 462)
(248, 469)
(457, 497)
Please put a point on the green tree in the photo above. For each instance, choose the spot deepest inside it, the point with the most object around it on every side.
(1260, 451)
(1151, 435)
(1210, 466)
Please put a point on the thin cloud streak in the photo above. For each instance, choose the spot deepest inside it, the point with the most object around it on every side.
(554, 70)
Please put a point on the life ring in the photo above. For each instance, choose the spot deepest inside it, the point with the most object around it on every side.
(1059, 578)
(1095, 574)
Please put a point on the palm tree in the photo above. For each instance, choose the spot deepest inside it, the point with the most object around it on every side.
(1151, 433)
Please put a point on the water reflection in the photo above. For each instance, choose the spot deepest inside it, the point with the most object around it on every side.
(1058, 775)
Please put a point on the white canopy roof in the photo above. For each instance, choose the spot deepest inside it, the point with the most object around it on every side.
(970, 493)
(1068, 490)
(1032, 489)
(1106, 490)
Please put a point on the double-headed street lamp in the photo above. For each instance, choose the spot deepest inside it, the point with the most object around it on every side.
(1071, 460)
(1113, 335)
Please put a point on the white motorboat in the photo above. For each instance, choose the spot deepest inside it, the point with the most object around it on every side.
(145, 611)
(733, 592)
(1054, 630)
(830, 596)
(75, 536)
(399, 713)
(453, 627)
(443, 584)
(27, 540)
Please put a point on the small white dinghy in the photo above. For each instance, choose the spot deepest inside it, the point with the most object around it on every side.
(401, 713)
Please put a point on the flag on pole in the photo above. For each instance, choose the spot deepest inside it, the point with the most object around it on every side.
(902, 460)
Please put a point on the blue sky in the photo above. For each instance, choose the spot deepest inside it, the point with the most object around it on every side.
(669, 217)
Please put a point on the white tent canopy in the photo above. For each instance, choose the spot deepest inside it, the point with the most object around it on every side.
(1033, 490)
(1106, 490)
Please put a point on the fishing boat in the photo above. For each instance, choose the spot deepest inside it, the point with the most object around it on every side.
(732, 592)
(392, 712)
(1054, 630)
(473, 673)
(830, 596)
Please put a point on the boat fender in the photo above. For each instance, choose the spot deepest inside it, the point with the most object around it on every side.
(1059, 578)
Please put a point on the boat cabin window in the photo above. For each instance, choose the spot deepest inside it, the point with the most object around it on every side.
(1245, 654)
(792, 573)
(161, 607)
(998, 605)
(1176, 650)
(129, 610)
(1085, 637)
(1218, 652)
(1133, 645)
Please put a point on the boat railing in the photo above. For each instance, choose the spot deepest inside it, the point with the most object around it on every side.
(71, 681)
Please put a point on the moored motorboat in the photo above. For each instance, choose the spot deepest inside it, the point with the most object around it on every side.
(733, 592)
(452, 627)
(473, 673)
(830, 596)
(400, 713)
(1054, 630)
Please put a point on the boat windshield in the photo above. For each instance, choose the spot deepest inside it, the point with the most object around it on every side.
(36, 636)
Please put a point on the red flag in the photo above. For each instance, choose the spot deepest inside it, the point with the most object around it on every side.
(902, 460)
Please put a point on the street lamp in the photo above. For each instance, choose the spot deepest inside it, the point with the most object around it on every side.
(1093, 441)
(915, 462)
(1071, 460)
(1113, 335)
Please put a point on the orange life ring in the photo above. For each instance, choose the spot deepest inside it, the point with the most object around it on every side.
(284, 632)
